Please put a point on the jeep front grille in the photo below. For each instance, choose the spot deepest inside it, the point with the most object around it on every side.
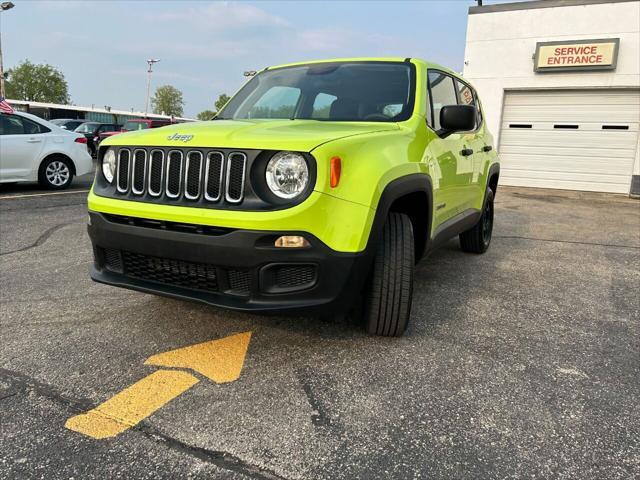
(236, 166)
(174, 174)
(213, 176)
(156, 168)
(189, 175)
(139, 170)
(193, 175)
(122, 171)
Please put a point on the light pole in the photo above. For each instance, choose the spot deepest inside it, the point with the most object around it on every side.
(150, 61)
(3, 6)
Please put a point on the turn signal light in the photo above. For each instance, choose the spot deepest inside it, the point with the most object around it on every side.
(291, 241)
(336, 170)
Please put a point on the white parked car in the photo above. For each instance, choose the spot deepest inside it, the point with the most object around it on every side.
(33, 149)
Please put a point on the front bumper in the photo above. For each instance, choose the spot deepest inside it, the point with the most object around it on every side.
(231, 268)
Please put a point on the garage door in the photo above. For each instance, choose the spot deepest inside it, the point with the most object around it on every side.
(570, 139)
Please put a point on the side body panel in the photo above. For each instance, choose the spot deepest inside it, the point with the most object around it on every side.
(19, 155)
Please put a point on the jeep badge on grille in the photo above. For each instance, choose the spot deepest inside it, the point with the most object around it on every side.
(180, 138)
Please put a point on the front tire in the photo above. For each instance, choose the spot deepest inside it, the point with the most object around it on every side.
(55, 173)
(388, 300)
(478, 238)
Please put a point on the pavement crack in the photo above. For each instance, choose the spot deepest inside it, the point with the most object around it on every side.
(319, 388)
(567, 241)
(41, 239)
(26, 383)
(319, 416)
(221, 459)
(218, 458)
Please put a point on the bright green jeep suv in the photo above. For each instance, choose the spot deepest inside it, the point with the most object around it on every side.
(315, 190)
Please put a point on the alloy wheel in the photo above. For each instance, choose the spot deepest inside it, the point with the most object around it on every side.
(57, 173)
(487, 223)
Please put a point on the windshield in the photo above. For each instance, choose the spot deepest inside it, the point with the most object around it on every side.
(130, 126)
(86, 128)
(347, 92)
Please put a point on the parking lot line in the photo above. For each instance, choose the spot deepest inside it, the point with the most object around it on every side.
(219, 360)
(132, 405)
(43, 194)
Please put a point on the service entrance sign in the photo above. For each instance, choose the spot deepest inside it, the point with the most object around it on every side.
(564, 56)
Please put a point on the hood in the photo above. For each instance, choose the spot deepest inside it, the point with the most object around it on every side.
(297, 135)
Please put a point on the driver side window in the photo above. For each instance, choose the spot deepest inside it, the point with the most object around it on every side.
(442, 92)
(16, 125)
(11, 125)
(277, 102)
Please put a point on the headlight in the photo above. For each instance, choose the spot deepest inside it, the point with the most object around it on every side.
(287, 174)
(109, 165)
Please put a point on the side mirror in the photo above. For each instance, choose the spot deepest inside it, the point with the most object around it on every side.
(457, 118)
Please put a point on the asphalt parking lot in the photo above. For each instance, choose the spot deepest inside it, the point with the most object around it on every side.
(523, 362)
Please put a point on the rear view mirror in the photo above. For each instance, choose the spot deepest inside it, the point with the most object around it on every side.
(457, 118)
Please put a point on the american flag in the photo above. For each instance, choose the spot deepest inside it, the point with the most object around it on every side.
(5, 107)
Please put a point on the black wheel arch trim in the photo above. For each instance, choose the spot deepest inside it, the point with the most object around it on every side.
(494, 169)
(396, 189)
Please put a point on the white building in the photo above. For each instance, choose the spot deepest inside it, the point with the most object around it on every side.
(560, 86)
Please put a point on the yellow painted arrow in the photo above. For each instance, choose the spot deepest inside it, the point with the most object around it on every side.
(219, 360)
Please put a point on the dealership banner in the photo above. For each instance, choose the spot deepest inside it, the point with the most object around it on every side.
(599, 54)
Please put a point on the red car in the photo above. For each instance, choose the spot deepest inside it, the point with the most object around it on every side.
(135, 124)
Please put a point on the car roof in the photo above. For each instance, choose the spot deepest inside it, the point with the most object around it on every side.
(42, 121)
(29, 116)
(416, 61)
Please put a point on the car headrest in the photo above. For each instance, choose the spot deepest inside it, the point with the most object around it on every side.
(344, 109)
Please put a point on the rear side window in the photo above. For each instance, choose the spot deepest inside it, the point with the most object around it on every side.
(467, 96)
(442, 92)
(31, 128)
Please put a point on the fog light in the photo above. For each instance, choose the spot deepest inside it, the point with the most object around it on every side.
(291, 241)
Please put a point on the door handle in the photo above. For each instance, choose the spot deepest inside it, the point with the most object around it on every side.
(466, 152)
(34, 140)
(487, 148)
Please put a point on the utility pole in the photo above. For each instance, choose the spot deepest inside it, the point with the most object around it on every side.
(3, 6)
(150, 61)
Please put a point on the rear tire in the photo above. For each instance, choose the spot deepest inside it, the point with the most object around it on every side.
(478, 238)
(388, 299)
(55, 173)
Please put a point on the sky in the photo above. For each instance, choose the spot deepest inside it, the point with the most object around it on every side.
(101, 47)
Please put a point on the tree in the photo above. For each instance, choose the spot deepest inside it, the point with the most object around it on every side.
(206, 115)
(222, 101)
(168, 101)
(37, 83)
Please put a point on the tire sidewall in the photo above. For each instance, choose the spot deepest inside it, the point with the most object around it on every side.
(380, 277)
(42, 176)
(487, 209)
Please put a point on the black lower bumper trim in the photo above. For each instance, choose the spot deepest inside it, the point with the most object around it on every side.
(238, 269)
